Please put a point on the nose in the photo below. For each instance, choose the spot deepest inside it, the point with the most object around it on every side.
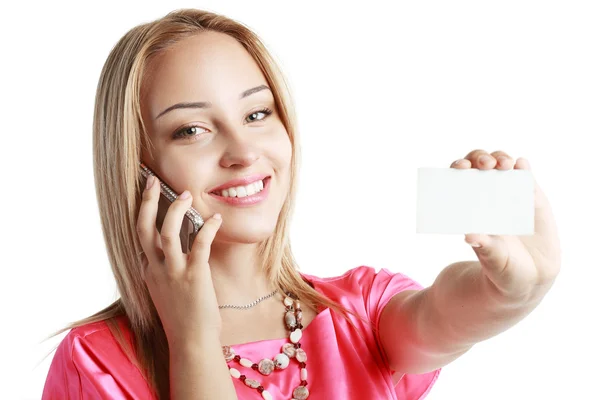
(238, 150)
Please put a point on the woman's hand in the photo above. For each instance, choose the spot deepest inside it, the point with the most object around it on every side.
(520, 267)
(180, 285)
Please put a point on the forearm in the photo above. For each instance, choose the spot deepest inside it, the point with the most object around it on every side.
(199, 371)
(462, 308)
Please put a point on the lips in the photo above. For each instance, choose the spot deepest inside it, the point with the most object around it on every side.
(246, 180)
(245, 201)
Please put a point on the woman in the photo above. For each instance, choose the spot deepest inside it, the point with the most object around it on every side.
(197, 98)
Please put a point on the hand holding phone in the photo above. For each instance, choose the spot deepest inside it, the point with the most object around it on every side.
(179, 284)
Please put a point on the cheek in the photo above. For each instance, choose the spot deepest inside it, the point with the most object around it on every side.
(281, 150)
(188, 173)
(283, 160)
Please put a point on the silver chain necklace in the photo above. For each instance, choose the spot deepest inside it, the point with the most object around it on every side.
(255, 302)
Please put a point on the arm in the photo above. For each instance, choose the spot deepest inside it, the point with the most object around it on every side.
(199, 371)
(424, 330)
(472, 301)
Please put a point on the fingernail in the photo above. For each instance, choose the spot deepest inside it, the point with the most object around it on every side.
(484, 159)
(184, 195)
(149, 182)
(474, 244)
(217, 216)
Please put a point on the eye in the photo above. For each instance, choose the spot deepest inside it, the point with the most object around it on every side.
(189, 132)
(254, 116)
(193, 132)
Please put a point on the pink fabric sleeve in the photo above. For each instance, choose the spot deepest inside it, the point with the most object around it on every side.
(91, 365)
(378, 288)
(62, 381)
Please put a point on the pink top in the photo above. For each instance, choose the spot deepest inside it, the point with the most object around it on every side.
(89, 364)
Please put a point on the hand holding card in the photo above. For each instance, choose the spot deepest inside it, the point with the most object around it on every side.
(492, 199)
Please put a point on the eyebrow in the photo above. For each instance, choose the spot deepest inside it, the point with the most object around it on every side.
(206, 104)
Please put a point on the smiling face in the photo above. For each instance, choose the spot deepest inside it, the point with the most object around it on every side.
(211, 117)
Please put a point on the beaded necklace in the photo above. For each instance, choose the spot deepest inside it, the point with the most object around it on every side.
(293, 322)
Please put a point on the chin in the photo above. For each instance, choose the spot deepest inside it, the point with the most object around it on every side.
(245, 234)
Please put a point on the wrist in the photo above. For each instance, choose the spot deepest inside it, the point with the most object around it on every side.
(198, 342)
(501, 300)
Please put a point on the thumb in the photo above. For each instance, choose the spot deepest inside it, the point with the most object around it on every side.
(491, 251)
(200, 252)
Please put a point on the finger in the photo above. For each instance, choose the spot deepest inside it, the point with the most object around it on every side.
(146, 223)
(200, 251)
(540, 197)
(504, 161)
(491, 250)
(169, 233)
(144, 266)
(481, 159)
(461, 164)
(522, 163)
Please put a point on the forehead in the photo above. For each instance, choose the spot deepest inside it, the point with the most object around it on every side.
(209, 66)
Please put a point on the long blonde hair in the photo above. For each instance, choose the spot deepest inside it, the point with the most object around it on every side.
(119, 135)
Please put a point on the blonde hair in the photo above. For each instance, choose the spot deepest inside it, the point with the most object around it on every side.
(118, 137)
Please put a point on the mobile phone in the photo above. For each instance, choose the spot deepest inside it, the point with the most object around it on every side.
(192, 221)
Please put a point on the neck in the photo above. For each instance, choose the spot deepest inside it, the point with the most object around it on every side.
(237, 274)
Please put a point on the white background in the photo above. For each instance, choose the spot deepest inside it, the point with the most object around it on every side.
(381, 89)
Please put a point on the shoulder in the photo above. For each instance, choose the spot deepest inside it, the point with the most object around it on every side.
(90, 362)
(87, 333)
(367, 291)
(364, 278)
(91, 330)
(95, 336)
(101, 328)
(363, 288)
(355, 276)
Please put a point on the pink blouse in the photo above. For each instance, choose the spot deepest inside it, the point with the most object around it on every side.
(89, 364)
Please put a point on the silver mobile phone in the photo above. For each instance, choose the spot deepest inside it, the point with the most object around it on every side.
(192, 222)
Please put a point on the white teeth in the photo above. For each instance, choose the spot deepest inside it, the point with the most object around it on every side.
(243, 191)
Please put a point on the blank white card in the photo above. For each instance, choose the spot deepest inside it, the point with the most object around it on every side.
(493, 202)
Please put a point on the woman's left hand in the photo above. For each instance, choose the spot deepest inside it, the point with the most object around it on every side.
(521, 267)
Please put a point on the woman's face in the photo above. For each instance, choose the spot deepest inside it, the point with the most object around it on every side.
(224, 126)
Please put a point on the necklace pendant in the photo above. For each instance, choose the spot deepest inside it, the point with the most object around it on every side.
(252, 383)
(235, 373)
(288, 301)
(289, 350)
(300, 355)
(281, 361)
(290, 320)
(301, 393)
(228, 353)
(266, 395)
(295, 336)
(266, 366)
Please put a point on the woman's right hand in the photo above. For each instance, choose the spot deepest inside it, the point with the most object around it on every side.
(180, 284)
